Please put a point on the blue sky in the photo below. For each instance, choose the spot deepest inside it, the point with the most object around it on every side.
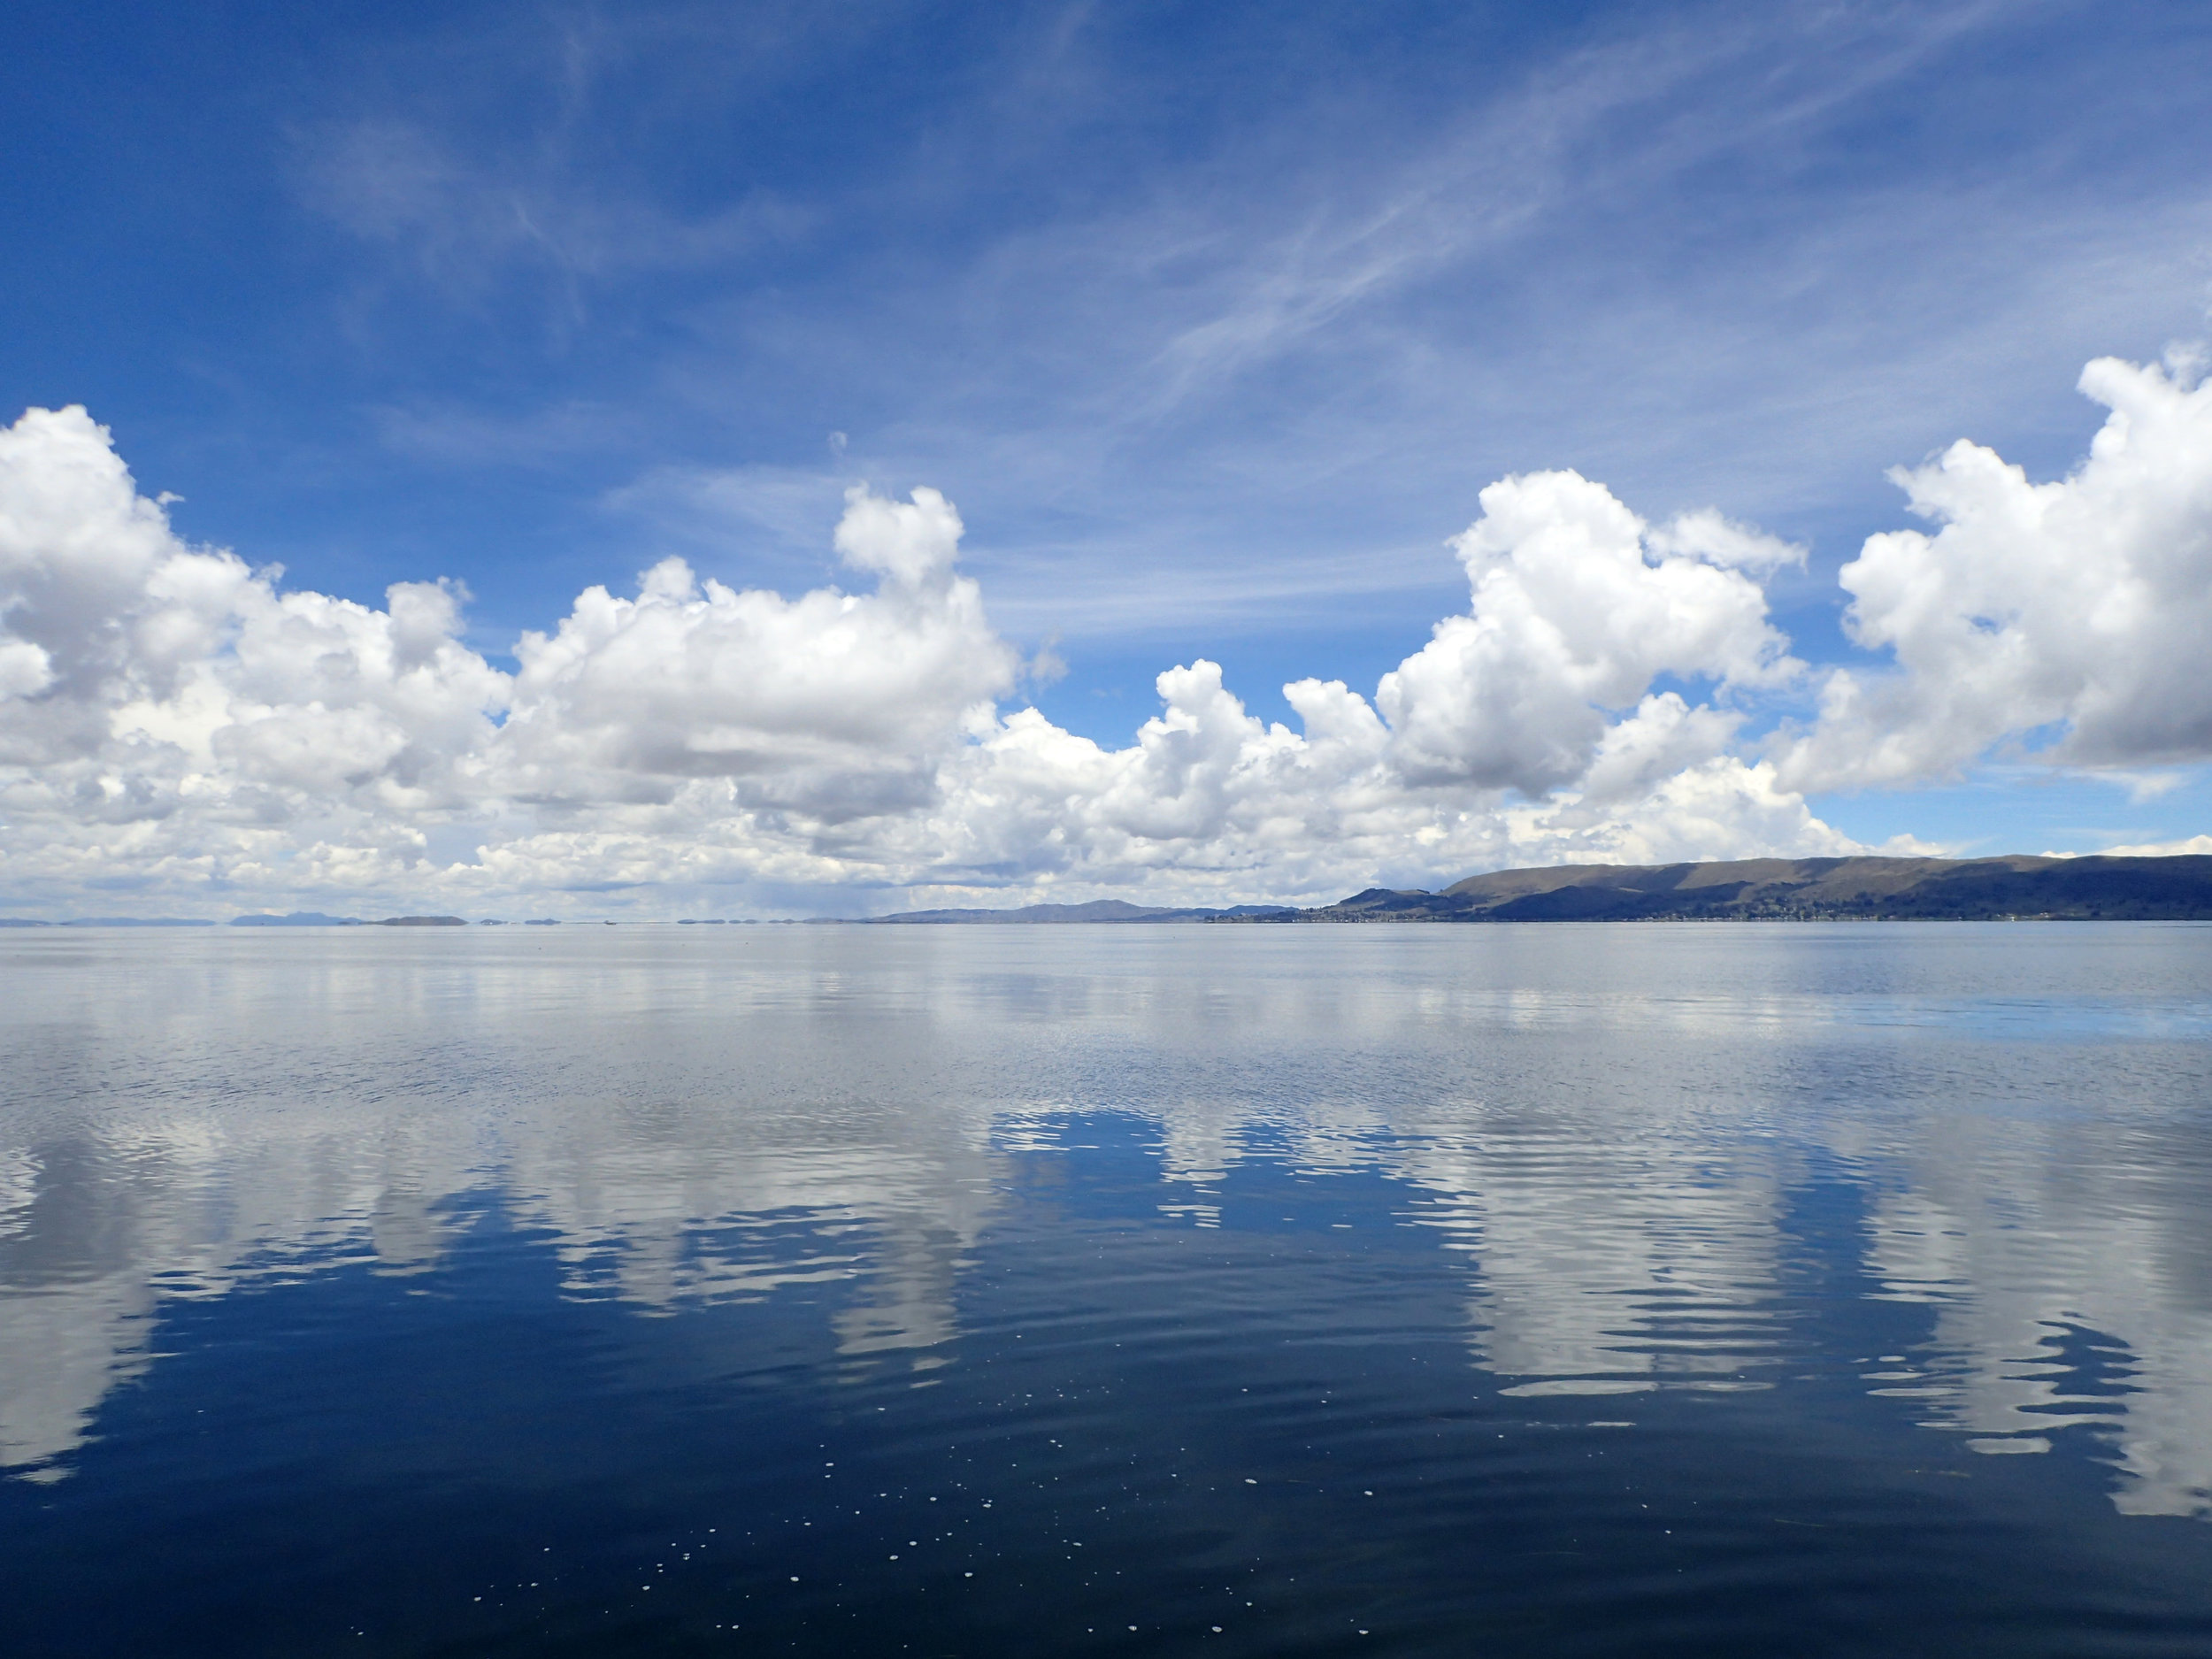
(1213, 320)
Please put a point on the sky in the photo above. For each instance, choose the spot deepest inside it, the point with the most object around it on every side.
(761, 459)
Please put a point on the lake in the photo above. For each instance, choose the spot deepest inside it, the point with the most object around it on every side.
(1504, 1290)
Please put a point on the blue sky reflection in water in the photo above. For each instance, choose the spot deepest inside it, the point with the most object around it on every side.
(1567, 1290)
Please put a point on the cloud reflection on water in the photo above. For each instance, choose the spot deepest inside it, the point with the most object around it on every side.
(1605, 1130)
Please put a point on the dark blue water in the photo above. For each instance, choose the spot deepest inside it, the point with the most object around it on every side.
(1560, 1290)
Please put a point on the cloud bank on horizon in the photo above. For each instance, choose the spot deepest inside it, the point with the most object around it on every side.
(175, 722)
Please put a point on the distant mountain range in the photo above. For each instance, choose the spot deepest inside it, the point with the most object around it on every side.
(298, 918)
(1096, 910)
(1808, 889)
(1813, 889)
(105, 921)
(1751, 889)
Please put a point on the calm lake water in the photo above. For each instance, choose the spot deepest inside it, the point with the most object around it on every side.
(1545, 1290)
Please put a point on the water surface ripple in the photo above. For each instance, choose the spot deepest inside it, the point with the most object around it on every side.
(1558, 1290)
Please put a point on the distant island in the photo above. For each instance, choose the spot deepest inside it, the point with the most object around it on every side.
(2016, 887)
(316, 918)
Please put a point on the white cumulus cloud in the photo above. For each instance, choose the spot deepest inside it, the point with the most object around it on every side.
(1573, 616)
(175, 720)
(2080, 607)
(836, 704)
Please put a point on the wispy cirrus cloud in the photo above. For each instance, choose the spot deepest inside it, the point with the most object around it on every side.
(1710, 253)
